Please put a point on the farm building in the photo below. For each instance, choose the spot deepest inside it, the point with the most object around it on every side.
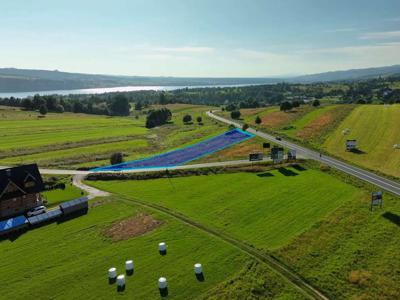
(20, 189)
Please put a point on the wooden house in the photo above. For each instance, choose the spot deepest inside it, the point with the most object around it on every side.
(20, 189)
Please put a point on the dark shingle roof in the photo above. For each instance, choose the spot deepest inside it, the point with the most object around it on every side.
(19, 181)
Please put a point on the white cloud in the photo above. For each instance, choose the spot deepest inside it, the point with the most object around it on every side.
(185, 50)
(337, 30)
(262, 55)
(380, 35)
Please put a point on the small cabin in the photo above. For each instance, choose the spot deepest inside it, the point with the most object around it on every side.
(351, 145)
(20, 189)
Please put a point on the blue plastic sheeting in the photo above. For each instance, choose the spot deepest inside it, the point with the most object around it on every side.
(13, 223)
(50, 215)
(183, 155)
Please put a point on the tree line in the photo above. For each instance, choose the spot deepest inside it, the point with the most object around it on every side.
(367, 91)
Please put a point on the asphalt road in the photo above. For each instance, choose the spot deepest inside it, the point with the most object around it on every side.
(379, 181)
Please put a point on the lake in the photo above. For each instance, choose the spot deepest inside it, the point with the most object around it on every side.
(112, 90)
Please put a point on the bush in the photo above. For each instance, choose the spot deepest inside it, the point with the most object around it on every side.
(116, 158)
(199, 119)
(230, 107)
(158, 117)
(324, 168)
(235, 114)
(187, 119)
(245, 127)
(258, 120)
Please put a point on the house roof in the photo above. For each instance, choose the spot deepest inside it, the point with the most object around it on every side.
(19, 181)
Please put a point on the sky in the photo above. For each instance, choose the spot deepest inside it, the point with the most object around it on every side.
(200, 38)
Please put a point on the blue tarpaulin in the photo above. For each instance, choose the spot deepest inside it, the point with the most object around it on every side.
(12, 223)
(183, 155)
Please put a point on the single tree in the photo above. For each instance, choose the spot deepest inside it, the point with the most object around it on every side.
(43, 109)
(163, 99)
(27, 103)
(199, 119)
(120, 106)
(245, 127)
(258, 120)
(138, 105)
(295, 103)
(59, 108)
(285, 106)
(316, 103)
(187, 119)
(78, 107)
(158, 117)
(235, 114)
(230, 107)
(116, 158)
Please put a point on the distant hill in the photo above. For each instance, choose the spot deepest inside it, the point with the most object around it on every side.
(24, 80)
(354, 74)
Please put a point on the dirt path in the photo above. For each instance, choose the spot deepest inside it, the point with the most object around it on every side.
(92, 192)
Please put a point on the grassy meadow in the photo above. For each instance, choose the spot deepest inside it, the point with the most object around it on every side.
(318, 223)
(352, 253)
(377, 129)
(254, 208)
(56, 196)
(77, 140)
(70, 260)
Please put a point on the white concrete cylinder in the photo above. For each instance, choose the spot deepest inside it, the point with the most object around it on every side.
(112, 273)
(162, 283)
(121, 280)
(129, 265)
(198, 268)
(162, 247)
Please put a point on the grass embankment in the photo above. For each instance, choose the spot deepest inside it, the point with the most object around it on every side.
(254, 208)
(376, 129)
(77, 140)
(353, 252)
(70, 260)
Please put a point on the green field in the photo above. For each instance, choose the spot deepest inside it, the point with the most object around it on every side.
(317, 223)
(56, 196)
(77, 140)
(254, 208)
(376, 128)
(70, 261)
(353, 253)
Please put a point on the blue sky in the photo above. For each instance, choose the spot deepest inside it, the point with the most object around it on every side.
(199, 38)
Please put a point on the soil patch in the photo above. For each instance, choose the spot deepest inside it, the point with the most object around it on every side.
(316, 126)
(132, 227)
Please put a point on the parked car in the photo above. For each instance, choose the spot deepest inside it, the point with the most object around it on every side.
(36, 211)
